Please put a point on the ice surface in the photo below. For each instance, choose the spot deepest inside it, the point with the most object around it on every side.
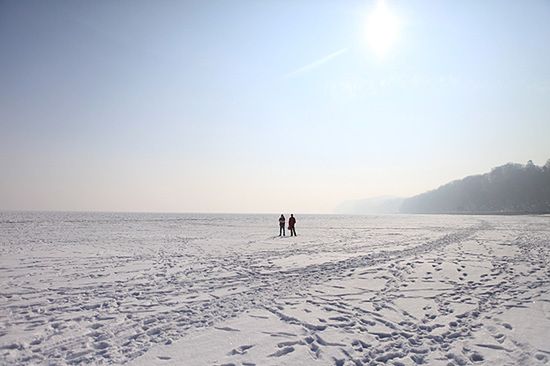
(146, 289)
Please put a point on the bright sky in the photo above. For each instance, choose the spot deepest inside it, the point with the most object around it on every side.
(263, 106)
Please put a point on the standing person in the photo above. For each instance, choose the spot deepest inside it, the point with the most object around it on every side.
(291, 223)
(282, 225)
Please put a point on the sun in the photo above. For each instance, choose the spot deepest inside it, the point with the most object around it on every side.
(381, 29)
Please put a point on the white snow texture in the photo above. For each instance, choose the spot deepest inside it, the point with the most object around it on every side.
(169, 289)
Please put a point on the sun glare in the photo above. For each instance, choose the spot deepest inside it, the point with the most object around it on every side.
(382, 29)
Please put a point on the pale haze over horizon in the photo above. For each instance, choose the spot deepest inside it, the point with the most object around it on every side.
(264, 106)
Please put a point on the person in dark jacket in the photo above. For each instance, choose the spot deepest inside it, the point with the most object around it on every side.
(282, 225)
(291, 223)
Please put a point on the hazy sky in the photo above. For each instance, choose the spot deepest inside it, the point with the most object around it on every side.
(263, 106)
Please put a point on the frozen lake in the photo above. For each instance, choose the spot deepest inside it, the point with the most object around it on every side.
(194, 289)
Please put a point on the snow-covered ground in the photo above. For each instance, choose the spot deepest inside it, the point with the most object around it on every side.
(149, 289)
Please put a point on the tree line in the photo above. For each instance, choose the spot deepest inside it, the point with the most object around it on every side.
(508, 189)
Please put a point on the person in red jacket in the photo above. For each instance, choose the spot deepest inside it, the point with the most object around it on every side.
(291, 223)
(282, 225)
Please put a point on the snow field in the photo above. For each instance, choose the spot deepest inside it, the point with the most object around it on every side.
(219, 289)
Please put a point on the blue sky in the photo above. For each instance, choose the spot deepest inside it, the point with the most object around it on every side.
(262, 106)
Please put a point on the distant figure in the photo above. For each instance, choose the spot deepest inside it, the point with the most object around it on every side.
(291, 223)
(282, 225)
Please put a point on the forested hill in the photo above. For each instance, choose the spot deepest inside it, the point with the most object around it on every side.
(511, 188)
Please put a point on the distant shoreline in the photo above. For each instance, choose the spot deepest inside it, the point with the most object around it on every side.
(512, 213)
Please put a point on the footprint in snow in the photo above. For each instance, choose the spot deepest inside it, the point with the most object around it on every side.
(227, 329)
(282, 352)
(507, 326)
(241, 350)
